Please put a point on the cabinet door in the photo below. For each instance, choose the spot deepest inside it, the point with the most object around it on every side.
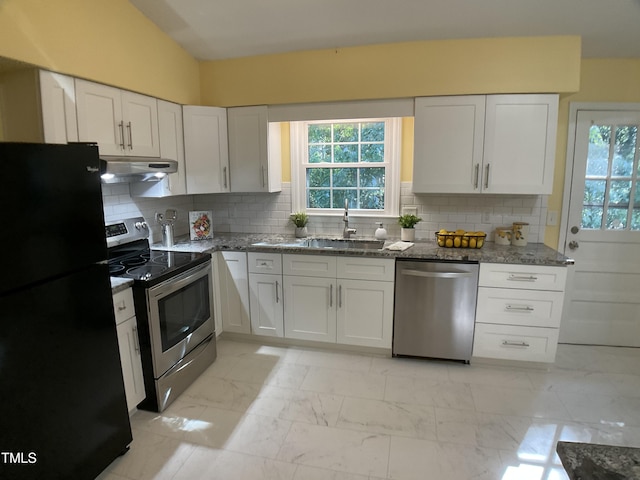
(365, 313)
(448, 143)
(234, 292)
(140, 118)
(131, 362)
(248, 148)
(267, 312)
(206, 149)
(520, 143)
(99, 110)
(310, 308)
(58, 99)
(171, 140)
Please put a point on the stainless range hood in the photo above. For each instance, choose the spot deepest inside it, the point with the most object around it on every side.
(135, 169)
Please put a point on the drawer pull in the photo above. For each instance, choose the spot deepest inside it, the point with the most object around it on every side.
(518, 308)
(522, 278)
(122, 307)
(507, 343)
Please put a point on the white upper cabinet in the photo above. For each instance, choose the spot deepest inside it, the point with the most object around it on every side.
(58, 100)
(120, 122)
(254, 150)
(172, 148)
(206, 149)
(485, 144)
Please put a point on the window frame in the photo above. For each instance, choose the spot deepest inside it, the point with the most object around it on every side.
(300, 163)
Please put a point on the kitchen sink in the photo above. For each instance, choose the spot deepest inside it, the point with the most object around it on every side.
(344, 243)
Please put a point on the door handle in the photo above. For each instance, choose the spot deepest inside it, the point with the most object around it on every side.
(575, 229)
(277, 297)
(573, 245)
(121, 127)
(419, 273)
(136, 341)
(340, 296)
(130, 136)
(486, 176)
(224, 174)
(519, 308)
(264, 183)
(331, 295)
(476, 176)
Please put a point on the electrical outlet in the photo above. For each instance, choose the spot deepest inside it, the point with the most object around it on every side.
(409, 210)
(552, 218)
(486, 217)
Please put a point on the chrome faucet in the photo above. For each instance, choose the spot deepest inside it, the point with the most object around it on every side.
(347, 232)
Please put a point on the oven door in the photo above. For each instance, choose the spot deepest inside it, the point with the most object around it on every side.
(180, 316)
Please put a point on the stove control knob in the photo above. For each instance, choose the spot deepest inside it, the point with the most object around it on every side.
(140, 225)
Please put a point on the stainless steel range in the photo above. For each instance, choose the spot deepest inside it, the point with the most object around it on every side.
(172, 292)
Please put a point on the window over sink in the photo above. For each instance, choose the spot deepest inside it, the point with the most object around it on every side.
(353, 159)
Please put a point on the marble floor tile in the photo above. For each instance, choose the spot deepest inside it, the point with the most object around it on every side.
(344, 382)
(267, 370)
(416, 459)
(377, 416)
(606, 409)
(336, 449)
(305, 472)
(428, 392)
(338, 360)
(571, 381)
(410, 367)
(298, 405)
(222, 393)
(518, 402)
(258, 435)
(490, 375)
(173, 422)
(207, 463)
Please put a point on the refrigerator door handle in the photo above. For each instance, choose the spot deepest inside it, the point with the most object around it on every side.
(420, 273)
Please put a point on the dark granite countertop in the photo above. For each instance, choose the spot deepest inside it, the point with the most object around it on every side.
(587, 461)
(532, 254)
(119, 284)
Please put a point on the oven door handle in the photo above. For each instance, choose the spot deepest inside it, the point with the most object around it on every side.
(176, 283)
(192, 357)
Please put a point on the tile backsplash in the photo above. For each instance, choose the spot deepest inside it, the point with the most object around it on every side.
(269, 212)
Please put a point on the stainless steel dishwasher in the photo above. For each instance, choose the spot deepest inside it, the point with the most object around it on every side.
(435, 309)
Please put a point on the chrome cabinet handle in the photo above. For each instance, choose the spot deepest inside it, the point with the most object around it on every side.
(507, 343)
(277, 297)
(224, 174)
(331, 295)
(339, 296)
(130, 136)
(476, 176)
(264, 183)
(486, 176)
(522, 278)
(519, 308)
(121, 127)
(420, 273)
(136, 342)
(122, 307)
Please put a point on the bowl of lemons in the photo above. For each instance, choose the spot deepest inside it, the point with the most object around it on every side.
(460, 239)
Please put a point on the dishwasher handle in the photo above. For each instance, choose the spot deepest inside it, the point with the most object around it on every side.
(420, 273)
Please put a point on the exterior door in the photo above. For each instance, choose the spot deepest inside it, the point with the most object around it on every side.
(602, 305)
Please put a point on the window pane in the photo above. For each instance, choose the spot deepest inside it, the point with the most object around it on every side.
(319, 133)
(636, 197)
(345, 153)
(340, 195)
(319, 153)
(635, 219)
(318, 198)
(372, 152)
(619, 192)
(598, 152)
(624, 150)
(372, 199)
(345, 132)
(594, 192)
(591, 218)
(373, 132)
(344, 177)
(616, 218)
(318, 177)
(371, 177)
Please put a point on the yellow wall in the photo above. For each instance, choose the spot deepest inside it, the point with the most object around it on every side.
(601, 80)
(494, 65)
(108, 41)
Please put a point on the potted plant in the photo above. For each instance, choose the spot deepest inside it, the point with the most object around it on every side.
(407, 224)
(300, 220)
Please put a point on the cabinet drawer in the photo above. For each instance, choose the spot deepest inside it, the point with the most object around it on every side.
(519, 307)
(309, 265)
(530, 277)
(358, 268)
(530, 344)
(123, 305)
(265, 263)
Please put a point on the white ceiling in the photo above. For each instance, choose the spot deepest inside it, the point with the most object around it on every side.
(217, 29)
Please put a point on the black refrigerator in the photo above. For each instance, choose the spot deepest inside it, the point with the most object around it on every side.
(63, 412)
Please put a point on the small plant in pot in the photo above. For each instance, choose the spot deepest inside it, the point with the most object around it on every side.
(407, 224)
(300, 220)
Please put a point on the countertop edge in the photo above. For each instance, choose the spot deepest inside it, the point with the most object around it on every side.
(586, 460)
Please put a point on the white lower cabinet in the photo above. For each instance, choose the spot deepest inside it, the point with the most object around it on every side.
(127, 330)
(266, 294)
(348, 300)
(519, 311)
(234, 291)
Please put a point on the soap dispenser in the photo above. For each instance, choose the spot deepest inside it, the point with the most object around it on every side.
(381, 233)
